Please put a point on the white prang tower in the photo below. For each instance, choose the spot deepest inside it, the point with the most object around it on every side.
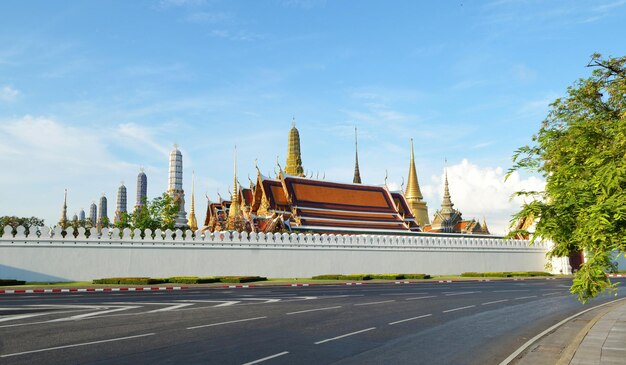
(175, 187)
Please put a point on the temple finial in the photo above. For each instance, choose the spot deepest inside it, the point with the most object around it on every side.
(192, 222)
(357, 173)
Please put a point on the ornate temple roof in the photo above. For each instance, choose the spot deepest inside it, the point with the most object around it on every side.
(323, 205)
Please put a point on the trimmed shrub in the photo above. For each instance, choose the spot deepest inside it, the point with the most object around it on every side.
(240, 279)
(191, 280)
(6, 282)
(343, 277)
(387, 276)
(417, 276)
(505, 274)
(130, 281)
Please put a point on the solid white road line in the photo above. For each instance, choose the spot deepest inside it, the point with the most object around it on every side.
(462, 293)
(29, 315)
(416, 298)
(346, 335)
(170, 308)
(227, 322)
(372, 303)
(409, 319)
(534, 339)
(458, 309)
(76, 345)
(313, 310)
(267, 358)
(531, 296)
(91, 314)
(495, 301)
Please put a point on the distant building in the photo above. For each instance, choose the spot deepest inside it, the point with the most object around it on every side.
(142, 189)
(175, 186)
(93, 214)
(103, 219)
(121, 203)
(450, 220)
(81, 215)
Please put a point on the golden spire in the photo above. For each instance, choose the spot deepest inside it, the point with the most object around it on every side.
(414, 194)
(446, 204)
(294, 159)
(192, 222)
(63, 220)
(413, 187)
(234, 210)
(357, 173)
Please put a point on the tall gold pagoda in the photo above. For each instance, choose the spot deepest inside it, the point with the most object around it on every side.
(294, 159)
(235, 209)
(193, 222)
(414, 194)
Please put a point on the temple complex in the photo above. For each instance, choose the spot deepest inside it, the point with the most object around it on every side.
(292, 202)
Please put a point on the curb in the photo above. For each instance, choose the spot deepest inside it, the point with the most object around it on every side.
(89, 290)
(238, 286)
(538, 337)
(616, 275)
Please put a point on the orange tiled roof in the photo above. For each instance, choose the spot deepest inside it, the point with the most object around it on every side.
(337, 205)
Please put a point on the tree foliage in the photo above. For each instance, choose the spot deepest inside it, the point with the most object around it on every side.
(581, 152)
(14, 221)
(160, 213)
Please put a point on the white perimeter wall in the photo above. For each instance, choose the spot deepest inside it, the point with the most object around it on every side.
(51, 257)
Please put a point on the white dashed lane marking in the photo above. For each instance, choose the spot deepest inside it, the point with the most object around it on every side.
(409, 319)
(346, 335)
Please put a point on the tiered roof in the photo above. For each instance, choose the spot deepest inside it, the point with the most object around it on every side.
(328, 206)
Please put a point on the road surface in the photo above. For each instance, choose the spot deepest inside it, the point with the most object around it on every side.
(419, 323)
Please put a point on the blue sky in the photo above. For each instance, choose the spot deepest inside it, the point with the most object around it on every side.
(92, 91)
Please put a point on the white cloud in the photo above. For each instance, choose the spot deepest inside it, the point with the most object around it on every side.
(481, 191)
(9, 94)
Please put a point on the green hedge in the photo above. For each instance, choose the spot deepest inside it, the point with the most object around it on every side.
(240, 279)
(6, 282)
(417, 276)
(192, 280)
(505, 274)
(370, 276)
(180, 280)
(130, 281)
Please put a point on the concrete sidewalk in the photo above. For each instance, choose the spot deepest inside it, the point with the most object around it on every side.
(594, 338)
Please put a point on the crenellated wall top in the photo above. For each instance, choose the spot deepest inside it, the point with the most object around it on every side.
(132, 238)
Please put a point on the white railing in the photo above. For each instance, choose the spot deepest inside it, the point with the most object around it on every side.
(178, 238)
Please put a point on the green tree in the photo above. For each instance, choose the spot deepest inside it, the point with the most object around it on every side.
(14, 221)
(160, 213)
(580, 150)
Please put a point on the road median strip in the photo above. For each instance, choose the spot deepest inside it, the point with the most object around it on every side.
(89, 290)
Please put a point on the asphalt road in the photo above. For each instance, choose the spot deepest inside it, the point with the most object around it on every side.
(424, 323)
